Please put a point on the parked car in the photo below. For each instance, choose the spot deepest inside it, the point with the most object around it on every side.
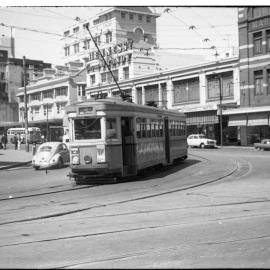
(51, 155)
(200, 140)
(263, 145)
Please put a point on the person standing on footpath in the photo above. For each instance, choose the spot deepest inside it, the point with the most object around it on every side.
(4, 141)
(19, 142)
(16, 141)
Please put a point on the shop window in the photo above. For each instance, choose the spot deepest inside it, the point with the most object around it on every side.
(257, 42)
(258, 82)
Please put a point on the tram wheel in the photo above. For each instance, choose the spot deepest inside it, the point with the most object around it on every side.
(202, 145)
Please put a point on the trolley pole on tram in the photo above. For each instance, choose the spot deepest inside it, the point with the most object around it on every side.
(25, 108)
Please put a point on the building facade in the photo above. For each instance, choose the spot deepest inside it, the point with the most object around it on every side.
(11, 78)
(48, 95)
(252, 118)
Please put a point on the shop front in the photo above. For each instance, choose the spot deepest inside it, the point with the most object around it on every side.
(251, 127)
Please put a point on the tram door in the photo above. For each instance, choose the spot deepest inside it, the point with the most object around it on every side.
(167, 140)
(128, 146)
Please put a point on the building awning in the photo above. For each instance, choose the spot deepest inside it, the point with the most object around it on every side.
(201, 118)
(237, 120)
(258, 119)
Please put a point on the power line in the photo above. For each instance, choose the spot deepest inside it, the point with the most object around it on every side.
(29, 29)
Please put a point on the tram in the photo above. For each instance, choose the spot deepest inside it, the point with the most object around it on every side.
(114, 138)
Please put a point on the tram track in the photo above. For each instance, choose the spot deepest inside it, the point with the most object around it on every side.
(138, 198)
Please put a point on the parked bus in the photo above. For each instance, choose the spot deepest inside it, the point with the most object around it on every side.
(34, 134)
(114, 138)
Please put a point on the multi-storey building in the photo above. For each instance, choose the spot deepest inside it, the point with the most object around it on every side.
(11, 78)
(48, 95)
(252, 118)
(124, 36)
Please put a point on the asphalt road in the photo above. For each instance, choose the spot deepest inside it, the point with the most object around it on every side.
(184, 217)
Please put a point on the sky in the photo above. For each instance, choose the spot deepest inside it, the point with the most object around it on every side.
(180, 29)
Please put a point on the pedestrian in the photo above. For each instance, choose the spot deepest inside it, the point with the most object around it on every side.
(15, 140)
(4, 141)
(19, 142)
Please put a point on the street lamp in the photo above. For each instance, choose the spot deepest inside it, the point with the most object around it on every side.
(220, 110)
(25, 108)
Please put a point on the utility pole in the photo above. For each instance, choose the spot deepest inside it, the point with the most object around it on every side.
(220, 111)
(47, 123)
(25, 108)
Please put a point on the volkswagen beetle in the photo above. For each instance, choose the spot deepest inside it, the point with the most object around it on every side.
(51, 155)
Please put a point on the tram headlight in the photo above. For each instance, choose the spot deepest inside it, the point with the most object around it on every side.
(75, 160)
(75, 156)
(101, 154)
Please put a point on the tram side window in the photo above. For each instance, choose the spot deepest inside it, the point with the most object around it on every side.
(111, 130)
(88, 128)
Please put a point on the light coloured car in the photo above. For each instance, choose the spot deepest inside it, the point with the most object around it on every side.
(51, 155)
(263, 145)
(200, 140)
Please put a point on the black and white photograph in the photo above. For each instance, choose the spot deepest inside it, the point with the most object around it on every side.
(134, 135)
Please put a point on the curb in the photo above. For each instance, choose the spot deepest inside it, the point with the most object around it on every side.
(18, 164)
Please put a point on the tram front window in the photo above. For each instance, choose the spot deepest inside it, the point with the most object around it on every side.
(111, 128)
(88, 128)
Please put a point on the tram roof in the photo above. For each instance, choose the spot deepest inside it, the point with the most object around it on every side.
(116, 104)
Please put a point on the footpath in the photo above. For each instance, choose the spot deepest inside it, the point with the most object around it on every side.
(10, 158)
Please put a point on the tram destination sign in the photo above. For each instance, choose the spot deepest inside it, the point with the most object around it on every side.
(85, 110)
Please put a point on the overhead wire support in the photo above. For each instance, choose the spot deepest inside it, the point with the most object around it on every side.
(121, 93)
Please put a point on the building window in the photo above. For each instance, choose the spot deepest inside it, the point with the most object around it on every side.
(2, 77)
(85, 25)
(140, 17)
(186, 90)
(61, 91)
(81, 90)
(47, 107)
(268, 82)
(126, 73)
(92, 79)
(86, 44)
(76, 29)
(268, 40)
(260, 11)
(123, 15)
(97, 40)
(103, 77)
(47, 94)
(257, 41)
(76, 48)
(258, 82)
(36, 110)
(60, 107)
(35, 96)
(97, 21)
(131, 17)
(148, 19)
(108, 36)
(66, 33)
